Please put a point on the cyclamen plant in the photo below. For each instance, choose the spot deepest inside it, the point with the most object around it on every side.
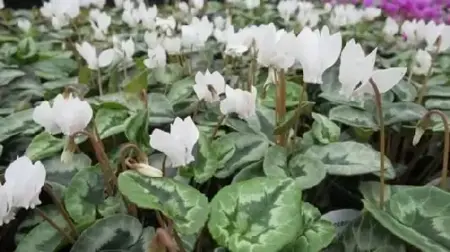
(237, 126)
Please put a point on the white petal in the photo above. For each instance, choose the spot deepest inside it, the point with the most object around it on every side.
(43, 116)
(167, 144)
(106, 57)
(385, 79)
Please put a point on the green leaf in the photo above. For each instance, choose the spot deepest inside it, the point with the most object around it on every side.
(350, 158)
(16, 123)
(336, 98)
(44, 237)
(306, 171)
(406, 91)
(181, 90)
(136, 129)
(436, 103)
(253, 170)
(168, 74)
(115, 233)
(44, 145)
(365, 234)
(260, 214)
(292, 117)
(248, 148)
(138, 82)
(420, 216)
(61, 173)
(207, 160)
(161, 111)
(324, 130)
(110, 121)
(316, 233)
(84, 193)
(84, 75)
(353, 117)
(186, 206)
(293, 91)
(275, 162)
(8, 75)
(55, 68)
(439, 90)
(400, 112)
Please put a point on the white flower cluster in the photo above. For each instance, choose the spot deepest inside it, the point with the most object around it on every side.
(23, 184)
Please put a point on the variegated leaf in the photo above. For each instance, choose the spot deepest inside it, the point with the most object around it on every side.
(350, 158)
(186, 206)
(257, 215)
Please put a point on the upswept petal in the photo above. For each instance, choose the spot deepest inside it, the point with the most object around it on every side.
(385, 79)
(330, 47)
(43, 115)
(106, 57)
(167, 144)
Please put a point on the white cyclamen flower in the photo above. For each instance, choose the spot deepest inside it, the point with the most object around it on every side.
(178, 144)
(195, 35)
(131, 17)
(7, 210)
(209, 86)
(287, 8)
(67, 115)
(126, 50)
(391, 27)
(307, 14)
(371, 13)
(151, 39)
(197, 4)
(317, 51)
(166, 25)
(172, 45)
(238, 101)
(147, 16)
(2, 4)
(422, 62)
(24, 25)
(89, 54)
(355, 68)
(156, 57)
(100, 22)
(25, 180)
(275, 48)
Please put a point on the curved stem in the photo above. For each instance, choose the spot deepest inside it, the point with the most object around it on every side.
(444, 172)
(99, 83)
(216, 129)
(53, 224)
(48, 189)
(379, 104)
(102, 158)
(131, 146)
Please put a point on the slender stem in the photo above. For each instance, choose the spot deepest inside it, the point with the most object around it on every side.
(281, 103)
(48, 189)
(99, 82)
(379, 104)
(163, 168)
(444, 172)
(102, 159)
(251, 74)
(216, 129)
(53, 224)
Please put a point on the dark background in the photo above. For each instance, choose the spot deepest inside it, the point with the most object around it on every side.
(28, 4)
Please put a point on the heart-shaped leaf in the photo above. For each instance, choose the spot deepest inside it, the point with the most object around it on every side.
(350, 159)
(420, 216)
(110, 122)
(115, 233)
(315, 235)
(186, 206)
(44, 145)
(353, 117)
(253, 215)
(324, 130)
